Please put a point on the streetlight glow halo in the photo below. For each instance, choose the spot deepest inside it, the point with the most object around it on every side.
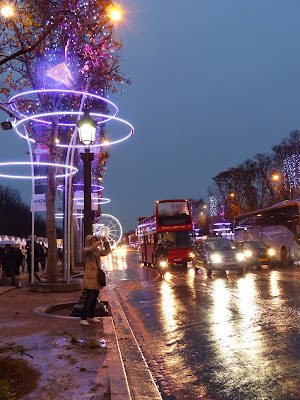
(7, 11)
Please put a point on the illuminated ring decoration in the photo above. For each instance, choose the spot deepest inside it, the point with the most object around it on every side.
(98, 187)
(61, 215)
(97, 202)
(73, 169)
(15, 98)
(77, 113)
(113, 227)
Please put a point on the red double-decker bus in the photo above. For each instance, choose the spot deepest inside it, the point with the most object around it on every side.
(171, 224)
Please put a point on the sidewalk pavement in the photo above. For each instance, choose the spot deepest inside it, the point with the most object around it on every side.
(74, 361)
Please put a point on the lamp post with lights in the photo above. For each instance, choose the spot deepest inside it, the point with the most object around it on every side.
(86, 130)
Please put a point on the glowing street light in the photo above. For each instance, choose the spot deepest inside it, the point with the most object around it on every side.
(115, 14)
(87, 129)
(7, 11)
(275, 177)
(232, 195)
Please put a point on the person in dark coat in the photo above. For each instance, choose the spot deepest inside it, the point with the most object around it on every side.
(92, 263)
(36, 259)
(19, 257)
(9, 264)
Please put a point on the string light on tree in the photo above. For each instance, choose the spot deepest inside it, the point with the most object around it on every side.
(213, 205)
(292, 172)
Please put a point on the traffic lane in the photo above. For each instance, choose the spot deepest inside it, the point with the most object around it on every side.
(225, 337)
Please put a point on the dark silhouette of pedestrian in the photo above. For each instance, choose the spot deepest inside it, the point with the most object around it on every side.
(19, 259)
(9, 264)
(36, 260)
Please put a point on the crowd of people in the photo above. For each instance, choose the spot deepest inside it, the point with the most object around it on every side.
(15, 259)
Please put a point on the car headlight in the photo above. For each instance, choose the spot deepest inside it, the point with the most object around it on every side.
(192, 255)
(240, 256)
(248, 253)
(271, 252)
(216, 258)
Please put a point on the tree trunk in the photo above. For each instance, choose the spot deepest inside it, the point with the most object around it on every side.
(52, 268)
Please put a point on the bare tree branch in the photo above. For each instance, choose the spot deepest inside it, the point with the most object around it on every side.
(35, 45)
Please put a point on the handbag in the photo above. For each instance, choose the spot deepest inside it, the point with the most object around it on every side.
(101, 277)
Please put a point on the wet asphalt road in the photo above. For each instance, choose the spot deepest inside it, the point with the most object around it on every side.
(224, 337)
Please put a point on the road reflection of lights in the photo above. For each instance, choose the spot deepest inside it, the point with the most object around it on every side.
(274, 277)
(191, 280)
(167, 277)
(168, 307)
(121, 252)
(246, 295)
(235, 326)
(112, 261)
(221, 317)
(107, 261)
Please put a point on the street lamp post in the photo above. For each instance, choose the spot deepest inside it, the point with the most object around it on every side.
(86, 130)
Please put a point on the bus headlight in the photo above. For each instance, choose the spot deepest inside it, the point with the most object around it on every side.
(216, 258)
(248, 253)
(240, 256)
(271, 252)
(192, 255)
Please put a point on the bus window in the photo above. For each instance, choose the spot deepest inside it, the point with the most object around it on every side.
(173, 213)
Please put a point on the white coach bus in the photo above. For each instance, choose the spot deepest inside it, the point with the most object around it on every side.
(277, 226)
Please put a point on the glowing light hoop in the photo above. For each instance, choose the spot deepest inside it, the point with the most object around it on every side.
(96, 185)
(15, 108)
(77, 113)
(73, 169)
(61, 215)
(100, 200)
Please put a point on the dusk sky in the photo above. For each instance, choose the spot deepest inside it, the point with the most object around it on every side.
(214, 82)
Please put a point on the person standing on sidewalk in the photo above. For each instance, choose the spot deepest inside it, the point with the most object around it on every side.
(90, 277)
(36, 260)
(9, 264)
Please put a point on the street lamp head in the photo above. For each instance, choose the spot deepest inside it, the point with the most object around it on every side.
(86, 129)
(7, 11)
(275, 177)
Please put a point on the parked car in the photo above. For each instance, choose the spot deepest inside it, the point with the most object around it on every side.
(218, 254)
(257, 253)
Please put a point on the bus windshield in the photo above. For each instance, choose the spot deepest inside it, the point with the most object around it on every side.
(173, 213)
(176, 239)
